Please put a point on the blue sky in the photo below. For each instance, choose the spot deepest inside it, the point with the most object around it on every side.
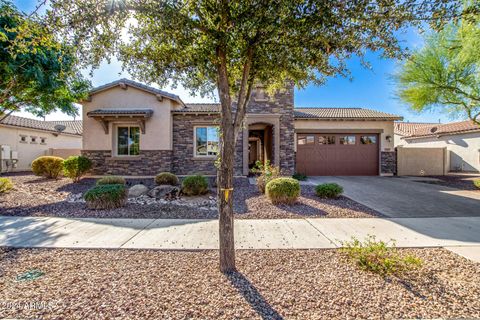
(370, 88)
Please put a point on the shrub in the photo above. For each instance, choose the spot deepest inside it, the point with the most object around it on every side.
(266, 173)
(283, 190)
(75, 167)
(299, 176)
(328, 190)
(110, 180)
(476, 183)
(5, 185)
(166, 178)
(108, 196)
(195, 185)
(377, 257)
(47, 166)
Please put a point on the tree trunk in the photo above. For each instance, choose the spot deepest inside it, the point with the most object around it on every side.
(225, 203)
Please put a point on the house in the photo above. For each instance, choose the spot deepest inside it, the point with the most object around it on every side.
(134, 129)
(461, 141)
(25, 139)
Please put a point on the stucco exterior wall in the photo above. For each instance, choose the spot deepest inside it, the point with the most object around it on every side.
(27, 151)
(463, 150)
(158, 128)
(385, 126)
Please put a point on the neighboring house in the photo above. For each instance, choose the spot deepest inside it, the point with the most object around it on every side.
(134, 129)
(30, 139)
(460, 139)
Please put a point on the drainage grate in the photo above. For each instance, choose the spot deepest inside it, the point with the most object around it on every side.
(30, 275)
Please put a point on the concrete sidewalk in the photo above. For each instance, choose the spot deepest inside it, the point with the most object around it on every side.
(459, 233)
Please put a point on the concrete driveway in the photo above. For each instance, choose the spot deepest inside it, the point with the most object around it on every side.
(398, 197)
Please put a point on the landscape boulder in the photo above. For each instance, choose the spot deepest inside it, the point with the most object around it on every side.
(137, 190)
(164, 191)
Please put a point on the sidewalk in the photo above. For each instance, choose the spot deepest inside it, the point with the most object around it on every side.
(460, 233)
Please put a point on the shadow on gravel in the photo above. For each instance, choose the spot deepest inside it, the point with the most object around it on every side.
(253, 296)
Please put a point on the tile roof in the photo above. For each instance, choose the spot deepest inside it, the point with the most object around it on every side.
(445, 129)
(409, 128)
(145, 112)
(343, 113)
(72, 126)
(137, 85)
(200, 107)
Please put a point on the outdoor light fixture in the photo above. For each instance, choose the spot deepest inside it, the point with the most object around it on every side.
(389, 138)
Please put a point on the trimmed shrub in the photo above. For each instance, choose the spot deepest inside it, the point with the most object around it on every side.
(5, 185)
(378, 257)
(329, 190)
(299, 176)
(47, 166)
(195, 185)
(476, 183)
(110, 180)
(108, 196)
(266, 173)
(283, 190)
(166, 178)
(75, 167)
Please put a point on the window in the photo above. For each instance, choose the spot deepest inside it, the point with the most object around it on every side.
(349, 140)
(368, 139)
(206, 141)
(306, 140)
(23, 139)
(33, 139)
(128, 141)
(43, 140)
(326, 140)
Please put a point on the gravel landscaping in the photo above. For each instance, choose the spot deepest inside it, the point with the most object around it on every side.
(462, 182)
(270, 284)
(37, 196)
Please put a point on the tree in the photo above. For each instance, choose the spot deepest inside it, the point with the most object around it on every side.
(229, 46)
(37, 73)
(445, 73)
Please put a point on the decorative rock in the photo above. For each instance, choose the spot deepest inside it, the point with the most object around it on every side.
(162, 191)
(137, 190)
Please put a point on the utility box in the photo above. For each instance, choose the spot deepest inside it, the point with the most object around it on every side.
(5, 152)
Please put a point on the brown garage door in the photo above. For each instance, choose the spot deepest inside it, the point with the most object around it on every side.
(330, 154)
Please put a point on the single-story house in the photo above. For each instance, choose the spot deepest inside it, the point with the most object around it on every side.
(22, 140)
(134, 129)
(460, 139)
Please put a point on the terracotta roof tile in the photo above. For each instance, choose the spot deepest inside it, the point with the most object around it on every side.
(409, 128)
(343, 113)
(72, 126)
(445, 129)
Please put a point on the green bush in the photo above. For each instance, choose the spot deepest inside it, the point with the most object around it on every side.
(377, 257)
(166, 178)
(283, 190)
(266, 173)
(299, 176)
(5, 185)
(108, 196)
(75, 167)
(195, 185)
(47, 166)
(110, 180)
(476, 183)
(329, 190)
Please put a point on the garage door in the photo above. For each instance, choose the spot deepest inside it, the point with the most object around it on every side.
(330, 154)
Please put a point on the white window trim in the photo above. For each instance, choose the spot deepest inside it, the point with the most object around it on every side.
(195, 155)
(115, 139)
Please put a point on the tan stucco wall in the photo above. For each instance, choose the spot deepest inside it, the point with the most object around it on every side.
(385, 126)
(158, 128)
(463, 150)
(27, 152)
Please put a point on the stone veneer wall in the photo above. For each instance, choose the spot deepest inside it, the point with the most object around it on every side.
(148, 163)
(388, 162)
(281, 103)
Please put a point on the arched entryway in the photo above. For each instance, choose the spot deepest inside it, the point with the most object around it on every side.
(261, 140)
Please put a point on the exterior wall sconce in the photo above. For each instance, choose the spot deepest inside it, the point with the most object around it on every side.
(389, 138)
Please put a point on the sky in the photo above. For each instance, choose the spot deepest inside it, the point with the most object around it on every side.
(370, 88)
